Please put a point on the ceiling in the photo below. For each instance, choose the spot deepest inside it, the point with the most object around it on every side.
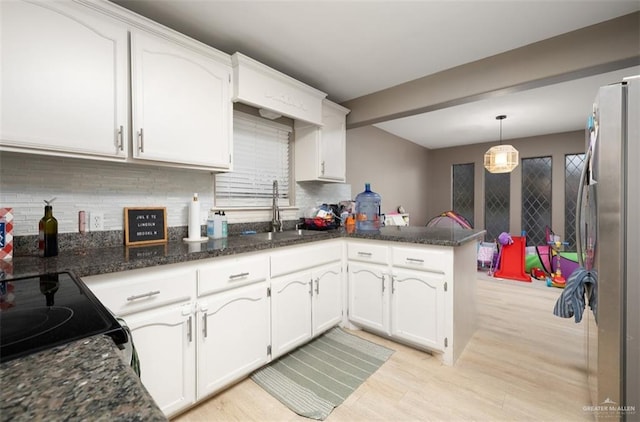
(352, 48)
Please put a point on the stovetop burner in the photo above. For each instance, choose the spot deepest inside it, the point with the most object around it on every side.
(40, 312)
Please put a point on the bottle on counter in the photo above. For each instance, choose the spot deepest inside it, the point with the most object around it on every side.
(368, 210)
(194, 218)
(211, 224)
(223, 224)
(216, 225)
(48, 232)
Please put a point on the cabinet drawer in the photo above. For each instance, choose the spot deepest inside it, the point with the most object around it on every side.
(299, 258)
(367, 252)
(126, 293)
(432, 259)
(230, 273)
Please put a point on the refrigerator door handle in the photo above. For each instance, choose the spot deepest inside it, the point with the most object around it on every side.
(583, 180)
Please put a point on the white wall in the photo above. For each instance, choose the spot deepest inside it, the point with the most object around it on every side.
(26, 180)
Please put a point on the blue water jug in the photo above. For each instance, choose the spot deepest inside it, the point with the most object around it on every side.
(368, 210)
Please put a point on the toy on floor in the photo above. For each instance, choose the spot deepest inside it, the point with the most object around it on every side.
(511, 258)
(538, 273)
(556, 279)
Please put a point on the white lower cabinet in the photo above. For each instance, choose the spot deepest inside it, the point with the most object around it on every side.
(233, 336)
(290, 312)
(327, 297)
(418, 308)
(304, 305)
(306, 294)
(367, 298)
(165, 345)
(388, 296)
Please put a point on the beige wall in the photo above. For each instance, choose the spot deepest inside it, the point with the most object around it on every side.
(556, 145)
(396, 168)
(419, 179)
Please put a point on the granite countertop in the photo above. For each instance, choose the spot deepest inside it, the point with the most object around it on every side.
(82, 380)
(93, 261)
(87, 379)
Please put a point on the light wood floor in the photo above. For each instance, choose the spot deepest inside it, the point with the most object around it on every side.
(523, 364)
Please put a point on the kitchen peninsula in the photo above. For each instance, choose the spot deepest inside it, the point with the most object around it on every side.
(415, 285)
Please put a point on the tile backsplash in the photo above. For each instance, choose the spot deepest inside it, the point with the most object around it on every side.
(26, 180)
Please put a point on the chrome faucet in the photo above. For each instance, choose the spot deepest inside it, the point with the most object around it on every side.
(276, 224)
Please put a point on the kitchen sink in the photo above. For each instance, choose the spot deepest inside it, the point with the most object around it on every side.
(287, 235)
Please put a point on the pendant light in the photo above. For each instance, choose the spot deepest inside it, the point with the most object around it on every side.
(501, 158)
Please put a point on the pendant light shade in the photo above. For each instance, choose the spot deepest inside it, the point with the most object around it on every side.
(501, 158)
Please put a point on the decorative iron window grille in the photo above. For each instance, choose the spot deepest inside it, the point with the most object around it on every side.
(497, 198)
(536, 198)
(462, 190)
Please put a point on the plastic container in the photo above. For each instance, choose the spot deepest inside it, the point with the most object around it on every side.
(224, 227)
(368, 210)
(217, 225)
(211, 224)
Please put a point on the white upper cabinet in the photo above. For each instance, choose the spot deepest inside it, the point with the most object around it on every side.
(182, 111)
(64, 80)
(265, 88)
(321, 150)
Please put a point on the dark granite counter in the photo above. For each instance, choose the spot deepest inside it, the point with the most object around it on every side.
(438, 236)
(80, 381)
(93, 261)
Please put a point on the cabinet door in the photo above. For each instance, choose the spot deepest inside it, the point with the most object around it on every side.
(234, 336)
(182, 111)
(64, 80)
(332, 145)
(164, 341)
(368, 296)
(327, 297)
(290, 312)
(418, 308)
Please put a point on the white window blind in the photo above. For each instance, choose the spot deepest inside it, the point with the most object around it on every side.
(260, 156)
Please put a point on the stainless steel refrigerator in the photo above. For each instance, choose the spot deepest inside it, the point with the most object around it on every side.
(608, 235)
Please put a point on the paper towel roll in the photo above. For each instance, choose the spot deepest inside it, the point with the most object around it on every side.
(194, 218)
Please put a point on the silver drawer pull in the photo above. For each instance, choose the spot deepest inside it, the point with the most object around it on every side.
(142, 296)
(121, 138)
(415, 260)
(235, 276)
(364, 254)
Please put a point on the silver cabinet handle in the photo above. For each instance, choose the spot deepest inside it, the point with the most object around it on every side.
(143, 296)
(190, 329)
(393, 284)
(121, 138)
(204, 325)
(383, 284)
(141, 140)
(322, 168)
(415, 260)
(236, 276)
(318, 285)
(364, 253)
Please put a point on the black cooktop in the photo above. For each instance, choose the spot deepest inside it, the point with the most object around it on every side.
(40, 312)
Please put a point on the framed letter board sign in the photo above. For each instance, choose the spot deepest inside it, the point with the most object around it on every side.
(145, 225)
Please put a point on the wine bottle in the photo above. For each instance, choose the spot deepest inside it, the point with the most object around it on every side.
(48, 232)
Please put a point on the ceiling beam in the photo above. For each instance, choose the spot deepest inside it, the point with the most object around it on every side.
(600, 48)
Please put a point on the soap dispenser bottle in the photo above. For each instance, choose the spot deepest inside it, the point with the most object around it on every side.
(48, 232)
